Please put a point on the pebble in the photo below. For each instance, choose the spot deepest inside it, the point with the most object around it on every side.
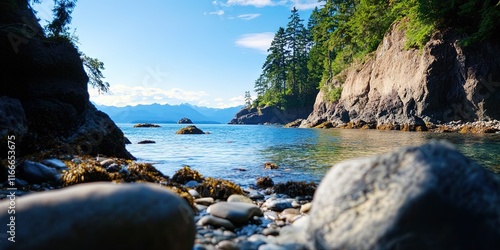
(236, 212)
(289, 213)
(227, 245)
(191, 184)
(201, 207)
(55, 163)
(194, 193)
(271, 215)
(207, 201)
(277, 204)
(106, 162)
(305, 208)
(256, 196)
(35, 172)
(113, 167)
(272, 247)
(216, 222)
(296, 204)
(239, 198)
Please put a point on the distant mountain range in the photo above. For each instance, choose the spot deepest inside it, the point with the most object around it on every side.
(165, 113)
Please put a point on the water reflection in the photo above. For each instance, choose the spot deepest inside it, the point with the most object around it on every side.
(324, 148)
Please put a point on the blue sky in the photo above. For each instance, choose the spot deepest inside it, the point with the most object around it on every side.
(202, 52)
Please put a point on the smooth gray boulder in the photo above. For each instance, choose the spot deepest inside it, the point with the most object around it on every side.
(427, 197)
(97, 215)
(236, 212)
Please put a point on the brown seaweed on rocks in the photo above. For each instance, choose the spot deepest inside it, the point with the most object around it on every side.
(186, 174)
(218, 188)
(296, 188)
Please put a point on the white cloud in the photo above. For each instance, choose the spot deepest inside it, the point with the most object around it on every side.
(256, 3)
(228, 103)
(299, 4)
(218, 13)
(306, 4)
(258, 41)
(247, 17)
(122, 95)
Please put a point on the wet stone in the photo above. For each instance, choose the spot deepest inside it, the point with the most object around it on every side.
(207, 201)
(227, 245)
(239, 198)
(216, 222)
(236, 212)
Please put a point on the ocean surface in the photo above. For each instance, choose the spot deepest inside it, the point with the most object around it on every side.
(238, 152)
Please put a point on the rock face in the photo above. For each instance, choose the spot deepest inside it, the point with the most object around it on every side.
(43, 96)
(427, 197)
(89, 216)
(400, 88)
(270, 115)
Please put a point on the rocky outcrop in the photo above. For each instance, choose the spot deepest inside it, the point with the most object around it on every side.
(185, 121)
(427, 197)
(269, 115)
(190, 130)
(89, 216)
(399, 88)
(43, 96)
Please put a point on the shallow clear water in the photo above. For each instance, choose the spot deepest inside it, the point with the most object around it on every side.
(301, 154)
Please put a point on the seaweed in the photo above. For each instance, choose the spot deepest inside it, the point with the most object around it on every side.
(186, 174)
(296, 188)
(218, 188)
(264, 182)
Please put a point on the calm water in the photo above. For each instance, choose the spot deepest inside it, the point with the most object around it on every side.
(301, 154)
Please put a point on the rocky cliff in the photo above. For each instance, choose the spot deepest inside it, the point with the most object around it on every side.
(44, 100)
(408, 89)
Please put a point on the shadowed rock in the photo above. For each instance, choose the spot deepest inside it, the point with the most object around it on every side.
(90, 216)
(427, 197)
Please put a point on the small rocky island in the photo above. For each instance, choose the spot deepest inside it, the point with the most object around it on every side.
(146, 125)
(185, 121)
(190, 130)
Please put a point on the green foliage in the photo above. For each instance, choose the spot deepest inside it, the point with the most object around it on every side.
(286, 81)
(94, 69)
(333, 94)
(58, 28)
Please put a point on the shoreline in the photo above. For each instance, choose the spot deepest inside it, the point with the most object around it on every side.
(477, 127)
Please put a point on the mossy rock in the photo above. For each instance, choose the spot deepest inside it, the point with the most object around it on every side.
(264, 182)
(190, 130)
(270, 165)
(218, 188)
(296, 188)
(186, 174)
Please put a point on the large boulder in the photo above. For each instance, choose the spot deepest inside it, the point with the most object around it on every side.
(190, 130)
(427, 197)
(97, 215)
(44, 97)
